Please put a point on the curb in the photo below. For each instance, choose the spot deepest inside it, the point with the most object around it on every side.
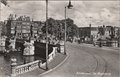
(54, 67)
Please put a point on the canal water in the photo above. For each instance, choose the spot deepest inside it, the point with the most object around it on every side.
(5, 61)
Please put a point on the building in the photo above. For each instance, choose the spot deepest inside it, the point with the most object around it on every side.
(22, 27)
(85, 31)
(40, 25)
(2, 28)
(94, 30)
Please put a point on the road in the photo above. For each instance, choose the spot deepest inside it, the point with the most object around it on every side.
(88, 61)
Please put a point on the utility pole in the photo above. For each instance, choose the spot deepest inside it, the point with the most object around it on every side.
(69, 7)
(65, 34)
(46, 34)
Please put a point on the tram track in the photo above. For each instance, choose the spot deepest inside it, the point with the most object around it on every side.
(109, 55)
(101, 65)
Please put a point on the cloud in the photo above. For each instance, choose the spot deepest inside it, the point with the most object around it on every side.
(83, 13)
(105, 14)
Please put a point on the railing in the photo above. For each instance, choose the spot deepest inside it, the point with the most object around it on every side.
(52, 54)
(16, 70)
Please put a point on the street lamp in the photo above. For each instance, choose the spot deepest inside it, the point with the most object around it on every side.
(69, 7)
(46, 34)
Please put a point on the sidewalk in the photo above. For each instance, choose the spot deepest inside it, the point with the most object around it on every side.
(103, 47)
(35, 73)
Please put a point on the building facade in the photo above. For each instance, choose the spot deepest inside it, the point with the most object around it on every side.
(2, 28)
(84, 31)
(21, 27)
(107, 31)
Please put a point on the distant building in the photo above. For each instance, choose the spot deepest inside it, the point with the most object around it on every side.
(94, 31)
(85, 31)
(88, 31)
(21, 27)
(40, 25)
(2, 28)
(112, 31)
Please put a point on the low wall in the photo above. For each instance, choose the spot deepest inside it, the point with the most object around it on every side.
(52, 54)
(16, 70)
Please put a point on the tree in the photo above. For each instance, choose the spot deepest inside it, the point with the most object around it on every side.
(57, 28)
(72, 29)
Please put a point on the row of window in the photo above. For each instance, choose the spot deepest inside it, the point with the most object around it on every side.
(20, 23)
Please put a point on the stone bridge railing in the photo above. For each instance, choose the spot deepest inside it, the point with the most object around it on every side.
(16, 70)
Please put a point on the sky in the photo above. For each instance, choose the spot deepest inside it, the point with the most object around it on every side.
(83, 12)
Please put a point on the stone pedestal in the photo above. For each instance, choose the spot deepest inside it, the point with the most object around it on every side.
(62, 46)
(13, 65)
(29, 48)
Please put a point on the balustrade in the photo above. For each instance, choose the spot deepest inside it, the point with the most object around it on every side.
(16, 70)
(25, 68)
